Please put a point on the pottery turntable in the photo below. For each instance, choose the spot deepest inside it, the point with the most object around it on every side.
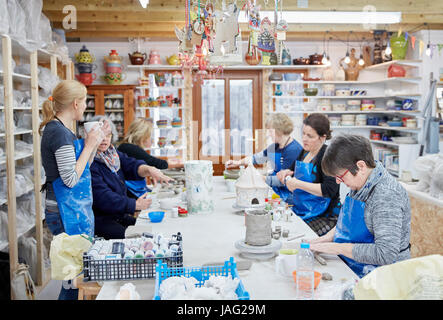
(258, 243)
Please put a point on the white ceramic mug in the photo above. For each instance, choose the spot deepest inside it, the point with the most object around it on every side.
(89, 125)
(174, 212)
(285, 264)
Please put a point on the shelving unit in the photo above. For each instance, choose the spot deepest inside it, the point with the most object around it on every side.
(114, 101)
(13, 50)
(181, 110)
(378, 86)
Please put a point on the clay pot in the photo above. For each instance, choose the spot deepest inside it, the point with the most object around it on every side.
(396, 71)
(315, 59)
(86, 78)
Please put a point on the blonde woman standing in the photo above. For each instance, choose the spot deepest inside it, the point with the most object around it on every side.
(66, 161)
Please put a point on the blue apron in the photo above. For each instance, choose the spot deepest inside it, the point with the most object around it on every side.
(305, 204)
(75, 204)
(351, 228)
(276, 163)
(137, 187)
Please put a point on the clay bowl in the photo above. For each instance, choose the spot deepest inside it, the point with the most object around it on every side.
(317, 278)
(310, 91)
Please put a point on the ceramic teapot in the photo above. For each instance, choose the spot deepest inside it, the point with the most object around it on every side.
(173, 60)
(84, 56)
(137, 58)
(113, 57)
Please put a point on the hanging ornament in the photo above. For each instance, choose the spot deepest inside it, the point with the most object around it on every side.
(440, 46)
(413, 41)
(406, 36)
(421, 47)
(399, 32)
(266, 38)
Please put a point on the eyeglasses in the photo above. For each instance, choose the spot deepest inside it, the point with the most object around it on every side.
(340, 178)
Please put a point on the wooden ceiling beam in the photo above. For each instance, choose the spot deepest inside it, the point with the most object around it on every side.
(178, 16)
(411, 6)
(123, 16)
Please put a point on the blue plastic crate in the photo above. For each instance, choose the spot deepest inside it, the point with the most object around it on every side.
(201, 274)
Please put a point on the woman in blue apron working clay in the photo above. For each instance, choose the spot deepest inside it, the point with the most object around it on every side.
(136, 140)
(113, 209)
(316, 197)
(281, 154)
(374, 225)
(66, 160)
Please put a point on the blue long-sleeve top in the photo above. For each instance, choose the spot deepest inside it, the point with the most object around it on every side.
(109, 189)
(289, 154)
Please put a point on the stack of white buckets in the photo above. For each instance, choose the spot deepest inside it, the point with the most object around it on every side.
(199, 185)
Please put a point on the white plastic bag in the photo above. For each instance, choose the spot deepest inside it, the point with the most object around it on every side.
(127, 292)
(424, 166)
(436, 185)
(32, 10)
(45, 32)
(4, 17)
(17, 23)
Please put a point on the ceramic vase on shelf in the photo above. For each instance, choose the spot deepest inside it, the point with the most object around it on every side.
(253, 55)
(399, 47)
(199, 186)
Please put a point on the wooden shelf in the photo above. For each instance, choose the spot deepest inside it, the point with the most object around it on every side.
(160, 88)
(377, 127)
(414, 95)
(410, 113)
(387, 80)
(232, 67)
(404, 63)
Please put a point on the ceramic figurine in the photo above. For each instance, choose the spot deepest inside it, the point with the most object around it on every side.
(253, 56)
(352, 69)
(266, 41)
(226, 29)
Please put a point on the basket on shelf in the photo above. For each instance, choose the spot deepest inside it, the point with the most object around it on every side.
(163, 271)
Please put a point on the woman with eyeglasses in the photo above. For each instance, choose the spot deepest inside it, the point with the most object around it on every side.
(315, 196)
(374, 225)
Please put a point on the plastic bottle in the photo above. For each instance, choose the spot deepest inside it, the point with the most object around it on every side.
(305, 273)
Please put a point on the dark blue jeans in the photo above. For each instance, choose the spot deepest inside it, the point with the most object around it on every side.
(55, 225)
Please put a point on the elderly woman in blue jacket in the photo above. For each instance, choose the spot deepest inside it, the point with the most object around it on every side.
(113, 209)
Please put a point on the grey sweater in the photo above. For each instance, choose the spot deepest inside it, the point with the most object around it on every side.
(387, 216)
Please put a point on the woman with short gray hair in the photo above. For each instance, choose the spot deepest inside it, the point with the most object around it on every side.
(374, 225)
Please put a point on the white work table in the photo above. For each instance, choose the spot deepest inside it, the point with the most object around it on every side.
(211, 238)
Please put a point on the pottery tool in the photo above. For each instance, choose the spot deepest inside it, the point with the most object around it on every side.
(319, 259)
(296, 237)
(241, 264)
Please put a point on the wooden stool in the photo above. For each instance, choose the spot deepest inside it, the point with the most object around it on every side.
(86, 290)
